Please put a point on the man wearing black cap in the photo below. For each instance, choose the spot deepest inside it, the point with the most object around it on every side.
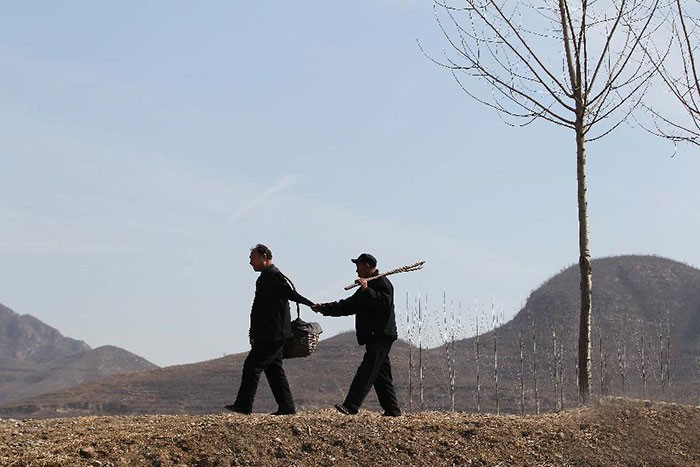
(375, 327)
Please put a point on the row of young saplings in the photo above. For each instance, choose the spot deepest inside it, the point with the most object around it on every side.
(444, 370)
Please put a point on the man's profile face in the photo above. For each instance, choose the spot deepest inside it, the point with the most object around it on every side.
(364, 270)
(257, 261)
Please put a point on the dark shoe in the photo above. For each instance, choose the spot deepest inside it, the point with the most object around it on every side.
(344, 410)
(235, 409)
(392, 414)
(285, 412)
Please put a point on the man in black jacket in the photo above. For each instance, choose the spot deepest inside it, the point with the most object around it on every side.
(270, 325)
(375, 328)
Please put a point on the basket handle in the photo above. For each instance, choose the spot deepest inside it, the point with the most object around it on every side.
(294, 289)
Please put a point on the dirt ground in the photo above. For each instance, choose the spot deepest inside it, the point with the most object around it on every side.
(613, 433)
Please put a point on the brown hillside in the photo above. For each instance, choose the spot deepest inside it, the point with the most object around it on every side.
(36, 358)
(76, 369)
(645, 312)
(617, 433)
(646, 325)
(204, 387)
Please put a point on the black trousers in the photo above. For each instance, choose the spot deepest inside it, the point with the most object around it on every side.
(264, 356)
(374, 371)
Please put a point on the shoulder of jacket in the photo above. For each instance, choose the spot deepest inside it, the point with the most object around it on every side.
(383, 280)
(271, 271)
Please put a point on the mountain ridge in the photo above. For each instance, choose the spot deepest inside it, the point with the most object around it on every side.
(26, 338)
(36, 358)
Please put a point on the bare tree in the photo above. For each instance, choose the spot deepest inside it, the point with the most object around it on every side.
(494, 330)
(668, 354)
(410, 335)
(421, 375)
(477, 351)
(580, 65)
(622, 361)
(448, 334)
(643, 365)
(534, 365)
(604, 382)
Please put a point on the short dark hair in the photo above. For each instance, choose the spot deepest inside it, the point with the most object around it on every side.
(262, 250)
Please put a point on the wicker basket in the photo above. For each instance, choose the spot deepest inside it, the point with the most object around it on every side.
(304, 339)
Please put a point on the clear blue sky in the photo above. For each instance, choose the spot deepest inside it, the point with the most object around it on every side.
(146, 146)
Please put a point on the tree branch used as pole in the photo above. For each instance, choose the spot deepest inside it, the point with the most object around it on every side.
(411, 267)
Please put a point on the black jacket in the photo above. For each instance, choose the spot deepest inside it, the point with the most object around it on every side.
(269, 316)
(373, 308)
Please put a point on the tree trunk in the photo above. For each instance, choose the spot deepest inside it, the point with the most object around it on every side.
(584, 336)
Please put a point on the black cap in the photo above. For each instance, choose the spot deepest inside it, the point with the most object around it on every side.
(365, 258)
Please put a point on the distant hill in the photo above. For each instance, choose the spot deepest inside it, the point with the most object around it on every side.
(26, 339)
(36, 358)
(646, 341)
(201, 387)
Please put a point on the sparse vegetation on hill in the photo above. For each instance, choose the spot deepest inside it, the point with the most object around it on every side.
(616, 433)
